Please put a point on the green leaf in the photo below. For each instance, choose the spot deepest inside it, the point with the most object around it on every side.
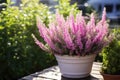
(1, 27)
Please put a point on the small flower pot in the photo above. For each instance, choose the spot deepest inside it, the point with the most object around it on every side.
(75, 66)
(110, 77)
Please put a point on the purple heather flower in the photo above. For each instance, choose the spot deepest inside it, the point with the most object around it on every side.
(73, 35)
(88, 45)
(68, 40)
(40, 27)
(104, 15)
(78, 40)
(72, 23)
(40, 44)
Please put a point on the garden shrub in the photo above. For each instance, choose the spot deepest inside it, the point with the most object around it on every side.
(19, 55)
(111, 56)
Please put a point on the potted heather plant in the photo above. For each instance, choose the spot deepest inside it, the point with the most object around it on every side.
(74, 42)
(111, 59)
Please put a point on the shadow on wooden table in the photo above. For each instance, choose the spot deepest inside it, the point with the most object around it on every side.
(86, 78)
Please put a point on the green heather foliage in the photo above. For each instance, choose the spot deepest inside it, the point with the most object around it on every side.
(111, 56)
(19, 55)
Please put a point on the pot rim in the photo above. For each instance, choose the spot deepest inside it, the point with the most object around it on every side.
(74, 57)
(102, 73)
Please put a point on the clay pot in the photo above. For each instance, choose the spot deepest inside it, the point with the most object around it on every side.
(110, 77)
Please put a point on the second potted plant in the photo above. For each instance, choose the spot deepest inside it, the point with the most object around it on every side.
(111, 59)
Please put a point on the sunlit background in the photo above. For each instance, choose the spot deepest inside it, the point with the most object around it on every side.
(112, 7)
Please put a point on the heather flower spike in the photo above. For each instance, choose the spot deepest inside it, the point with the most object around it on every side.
(41, 45)
(104, 15)
(73, 35)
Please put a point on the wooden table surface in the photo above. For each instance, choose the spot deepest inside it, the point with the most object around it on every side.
(53, 73)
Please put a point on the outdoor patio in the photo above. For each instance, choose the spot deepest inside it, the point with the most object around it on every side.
(53, 73)
(33, 32)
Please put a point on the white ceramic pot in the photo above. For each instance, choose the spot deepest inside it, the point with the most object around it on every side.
(75, 66)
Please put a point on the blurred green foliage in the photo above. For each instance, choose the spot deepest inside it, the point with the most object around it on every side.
(19, 55)
(111, 55)
(65, 7)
